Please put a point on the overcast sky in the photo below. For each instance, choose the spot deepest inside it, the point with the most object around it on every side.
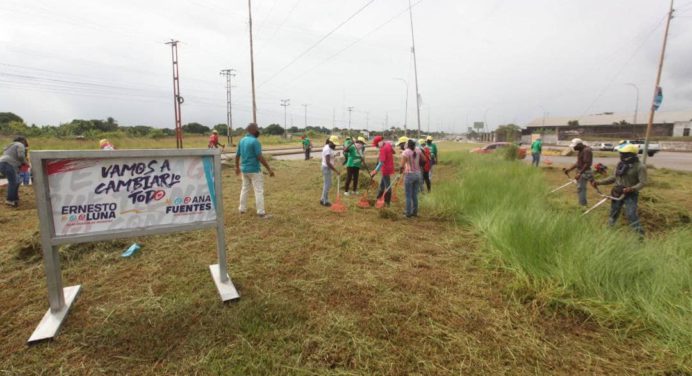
(500, 60)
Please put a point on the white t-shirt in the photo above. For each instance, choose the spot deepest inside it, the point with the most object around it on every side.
(327, 151)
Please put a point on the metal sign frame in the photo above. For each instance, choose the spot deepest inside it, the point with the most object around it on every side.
(61, 299)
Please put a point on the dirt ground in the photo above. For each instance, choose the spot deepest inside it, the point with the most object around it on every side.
(356, 293)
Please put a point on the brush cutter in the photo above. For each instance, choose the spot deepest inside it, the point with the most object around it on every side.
(337, 205)
(603, 200)
(572, 181)
(380, 201)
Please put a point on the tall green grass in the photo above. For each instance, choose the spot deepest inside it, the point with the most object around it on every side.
(570, 260)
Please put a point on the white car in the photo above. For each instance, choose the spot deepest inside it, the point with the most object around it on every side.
(653, 148)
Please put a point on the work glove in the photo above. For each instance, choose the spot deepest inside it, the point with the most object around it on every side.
(373, 173)
(627, 190)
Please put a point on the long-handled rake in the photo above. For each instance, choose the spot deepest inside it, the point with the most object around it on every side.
(364, 202)
(337, 205)
(380, 201)
(603, 200)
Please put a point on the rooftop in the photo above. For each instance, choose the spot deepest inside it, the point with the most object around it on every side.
(607, 119)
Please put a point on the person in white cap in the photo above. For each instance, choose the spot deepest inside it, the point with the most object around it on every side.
(583, 167)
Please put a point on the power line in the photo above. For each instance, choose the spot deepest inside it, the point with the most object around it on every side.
(305, 52)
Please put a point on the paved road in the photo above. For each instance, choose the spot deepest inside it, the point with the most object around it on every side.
(669, 160)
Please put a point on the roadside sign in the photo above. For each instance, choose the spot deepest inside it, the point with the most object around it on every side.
(85, 196)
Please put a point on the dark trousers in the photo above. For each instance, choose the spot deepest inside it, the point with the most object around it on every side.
(12, 181)
(630, 202)
(352, 175)
(384, 184)
(307, 154)
(426, 179)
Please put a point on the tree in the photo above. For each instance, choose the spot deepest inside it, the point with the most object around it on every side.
(274, 129)
(508, 133)
(573, 123)
(196, 128)
(222, 129)
(6, 117)
(139, 130)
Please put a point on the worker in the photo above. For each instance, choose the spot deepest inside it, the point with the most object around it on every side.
(353, 164)
(327, 168)
(536, 150)
(426, 164)
(360, 146)
(214, 140)
(630, 177)
(411, 157)
(307, 146)
(583, 167)
(104, 144)
(433, 154)
(248, 157)
(12, 158)
(385, 163)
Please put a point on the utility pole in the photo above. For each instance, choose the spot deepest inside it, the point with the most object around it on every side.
(350, 109)
(306, 115)
(228, 73)
(177, 99)
(285, 103)
(252, 66)
(415, 65)
(656, 86)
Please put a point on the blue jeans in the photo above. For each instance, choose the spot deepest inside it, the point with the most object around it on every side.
(25, 177)
(12, 181)
(327, 176)
(536, 159)
(630, 203)
(412, 187)
(384, 184)
(582, 184)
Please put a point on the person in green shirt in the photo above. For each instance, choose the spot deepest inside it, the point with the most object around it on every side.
(630, 177)
(307, 147)
(536, 149)
(353, 163)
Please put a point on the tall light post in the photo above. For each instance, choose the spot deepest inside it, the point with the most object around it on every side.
(415, 65)
(636, 108)
(228, 73)
(405, 105)
(252, 65)
(285, 103)
(350, 109)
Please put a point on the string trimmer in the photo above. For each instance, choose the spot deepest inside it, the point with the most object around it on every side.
(604, 199)
(572, 181)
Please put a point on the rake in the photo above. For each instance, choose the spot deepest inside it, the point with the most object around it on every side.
(338, 206)
(380, 201)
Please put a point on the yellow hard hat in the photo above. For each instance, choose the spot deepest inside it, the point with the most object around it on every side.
(361, 139)
(334, 140)
(103, 142)
(629, 148)
(421, 141)
(429, 138)
(402, 140)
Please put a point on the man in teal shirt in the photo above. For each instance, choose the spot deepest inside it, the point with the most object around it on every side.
(247, 161)
(536, 149)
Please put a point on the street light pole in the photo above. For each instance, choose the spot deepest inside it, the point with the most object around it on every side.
(405, 105)
(350, 109)
(252, 65)
(285, 103)
(415, 65)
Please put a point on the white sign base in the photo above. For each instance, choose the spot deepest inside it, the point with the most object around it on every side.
(226, 289)
(51, 321)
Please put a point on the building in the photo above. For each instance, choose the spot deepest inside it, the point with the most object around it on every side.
(609, 126)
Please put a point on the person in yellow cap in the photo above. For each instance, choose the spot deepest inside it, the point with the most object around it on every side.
(433, 153)
(630, 177)
(104, 144)
(360, 145)
(328, 155)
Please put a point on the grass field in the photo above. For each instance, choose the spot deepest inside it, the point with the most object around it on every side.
(365, 292)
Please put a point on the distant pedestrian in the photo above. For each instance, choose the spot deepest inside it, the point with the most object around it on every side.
(410, 168)
(104, 144)
(214, 140)
(583, 167)
(360, 146)
(536, 150)
(13, 156)
(327, 168)
(433, 154)
(426, 164)
(630, 177)
(307, 147)
(385, 163)
(247, 161)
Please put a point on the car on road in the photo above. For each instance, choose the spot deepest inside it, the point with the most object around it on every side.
(653, 148)
(491, 148)
(604, 146)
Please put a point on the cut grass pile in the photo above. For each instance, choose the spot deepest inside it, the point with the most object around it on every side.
(573, 261)
(363, 292)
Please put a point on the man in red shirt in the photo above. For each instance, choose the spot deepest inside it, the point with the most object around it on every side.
(214, 140)
(385, 162)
